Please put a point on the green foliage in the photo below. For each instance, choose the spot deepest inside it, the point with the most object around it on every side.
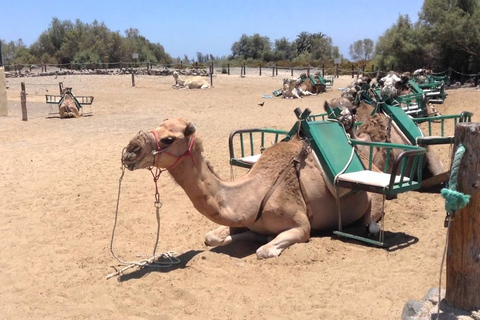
(65, 42)
(362, 50)
(251, 47)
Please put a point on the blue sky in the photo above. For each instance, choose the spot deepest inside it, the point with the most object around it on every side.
(212, 26)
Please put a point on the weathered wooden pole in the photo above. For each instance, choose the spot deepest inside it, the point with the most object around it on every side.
(3, 93)
(353, 71)
(276, 70)
(133, 78)
(463, 253)
(260, 70)
(23, 101)
(211, 74)
(228, 68)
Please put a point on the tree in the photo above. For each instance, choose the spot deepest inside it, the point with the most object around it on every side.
(254, 47)
(451, 27)
(284, 50)
(362, 50)
(303, 42)
(402, 46)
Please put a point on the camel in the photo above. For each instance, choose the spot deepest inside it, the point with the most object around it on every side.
(292, 90)
(283, 198)
(377, 128)
(307, 85)
(392, 86)
(196, 82)
(68, 108)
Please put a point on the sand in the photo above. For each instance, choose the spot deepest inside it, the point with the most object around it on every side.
(59, 184)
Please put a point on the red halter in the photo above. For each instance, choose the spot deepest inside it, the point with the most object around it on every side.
(185, 154)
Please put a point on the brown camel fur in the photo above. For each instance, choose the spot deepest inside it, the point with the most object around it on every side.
(296, 207)
(307, 85)
(68, 108)
(377, 128)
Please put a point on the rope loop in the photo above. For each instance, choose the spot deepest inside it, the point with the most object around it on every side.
(455, 200)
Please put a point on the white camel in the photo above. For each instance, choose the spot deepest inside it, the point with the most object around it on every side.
(196, 82)
(283, 198)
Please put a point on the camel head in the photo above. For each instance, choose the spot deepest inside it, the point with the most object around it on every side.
(342, 110)
(162, 147)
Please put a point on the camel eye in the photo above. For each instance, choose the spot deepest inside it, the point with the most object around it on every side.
(168, 140)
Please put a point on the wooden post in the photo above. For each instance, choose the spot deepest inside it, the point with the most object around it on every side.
(323, 70)
(60, 87)
(308, 71)
(228, 68)
(211, 74)
(260, 69)
(353, 71)
(3, 93)
(23, 101)
(291, 71)
(463, 254)
(133, 78)
(273, 71)
(276, 70)
(336, 71)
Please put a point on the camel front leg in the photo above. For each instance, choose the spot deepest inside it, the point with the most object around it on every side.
(282, 241)
(224, 235)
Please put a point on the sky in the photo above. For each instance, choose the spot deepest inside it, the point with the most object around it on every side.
(212, 26)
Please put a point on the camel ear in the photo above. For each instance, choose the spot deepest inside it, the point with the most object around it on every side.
(326, 107)
(190, 129)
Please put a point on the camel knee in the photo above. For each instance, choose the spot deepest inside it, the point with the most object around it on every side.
(218, 237)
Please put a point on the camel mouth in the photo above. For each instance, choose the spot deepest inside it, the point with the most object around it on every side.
(132, 156)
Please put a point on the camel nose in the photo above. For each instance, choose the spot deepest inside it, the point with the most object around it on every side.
(128, 160)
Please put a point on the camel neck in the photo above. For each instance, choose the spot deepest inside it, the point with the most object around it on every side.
(216, 199)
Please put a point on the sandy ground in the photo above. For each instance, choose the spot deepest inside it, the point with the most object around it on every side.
(59, 185)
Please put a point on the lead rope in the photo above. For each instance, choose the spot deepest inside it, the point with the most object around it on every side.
(454, 201)
(153, 261)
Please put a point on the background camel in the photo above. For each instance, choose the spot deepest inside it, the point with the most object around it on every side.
(283, 197)
(196, 82)
(68, 108)
(293, 90)
(306, 84)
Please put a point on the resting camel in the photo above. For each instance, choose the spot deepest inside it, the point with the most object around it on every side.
(292, 90)
(68, 108)
(307, 85)
(283, 198)
(377, 128)
(196, 82)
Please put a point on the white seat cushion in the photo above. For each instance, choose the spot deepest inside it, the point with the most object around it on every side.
(368, 177)
(250, 159)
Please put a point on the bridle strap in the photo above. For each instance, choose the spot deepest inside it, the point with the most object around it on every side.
(165, 150)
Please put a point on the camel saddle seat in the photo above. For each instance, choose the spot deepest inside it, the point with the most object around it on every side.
(344, 167)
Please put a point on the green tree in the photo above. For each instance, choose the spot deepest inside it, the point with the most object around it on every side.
(401, 46)
(252, 47)
(283, 50)
(362, 50)
(451, 28)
